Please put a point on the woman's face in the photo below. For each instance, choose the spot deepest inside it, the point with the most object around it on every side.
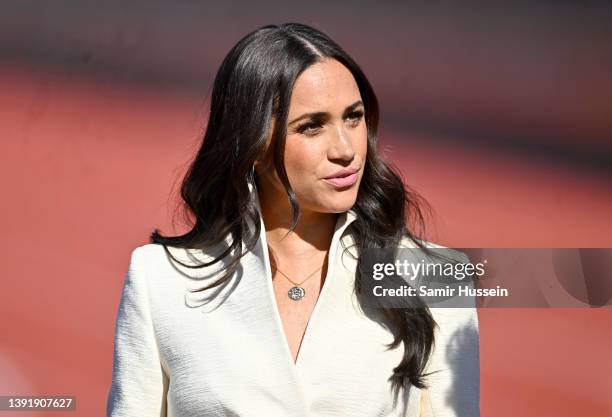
(326, 138)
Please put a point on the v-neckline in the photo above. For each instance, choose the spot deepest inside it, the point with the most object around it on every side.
(343, 221)
(339, 227)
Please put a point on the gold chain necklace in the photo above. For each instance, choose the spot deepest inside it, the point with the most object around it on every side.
(296, 292)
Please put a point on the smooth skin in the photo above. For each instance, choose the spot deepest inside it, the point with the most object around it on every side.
(317, 146)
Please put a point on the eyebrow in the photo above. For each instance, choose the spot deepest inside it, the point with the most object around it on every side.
(321, 115)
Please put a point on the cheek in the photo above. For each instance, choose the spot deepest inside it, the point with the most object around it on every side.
(362, 140)
(301, 160)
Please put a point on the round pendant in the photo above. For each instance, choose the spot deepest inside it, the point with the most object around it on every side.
(296, 293)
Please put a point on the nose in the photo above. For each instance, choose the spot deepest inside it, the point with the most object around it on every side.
(341, 145)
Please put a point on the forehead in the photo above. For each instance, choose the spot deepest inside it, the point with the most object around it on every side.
(325, 86)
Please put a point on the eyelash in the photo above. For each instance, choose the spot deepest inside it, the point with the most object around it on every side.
(306, 126)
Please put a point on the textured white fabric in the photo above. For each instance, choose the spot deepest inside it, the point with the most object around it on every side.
(177, 357)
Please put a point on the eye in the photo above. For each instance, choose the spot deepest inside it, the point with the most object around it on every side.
(309, 129)
(355, 117)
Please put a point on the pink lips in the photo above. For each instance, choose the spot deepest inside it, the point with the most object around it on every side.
(343, 178)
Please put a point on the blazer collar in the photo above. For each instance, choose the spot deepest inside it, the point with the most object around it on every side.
(260, 252)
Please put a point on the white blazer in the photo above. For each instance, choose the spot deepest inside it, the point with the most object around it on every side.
(230, 357)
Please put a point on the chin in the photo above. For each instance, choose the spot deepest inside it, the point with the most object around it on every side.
(340, 204)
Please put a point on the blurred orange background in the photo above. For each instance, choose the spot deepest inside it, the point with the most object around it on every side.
(500, 117)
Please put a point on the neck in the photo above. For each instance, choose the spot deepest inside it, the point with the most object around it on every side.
(311, 237)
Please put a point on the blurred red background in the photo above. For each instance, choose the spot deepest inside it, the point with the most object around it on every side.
(501, 118)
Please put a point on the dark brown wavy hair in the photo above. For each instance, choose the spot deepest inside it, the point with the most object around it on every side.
(252, 88)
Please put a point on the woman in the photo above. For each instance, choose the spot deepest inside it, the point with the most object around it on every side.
(258, 310)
